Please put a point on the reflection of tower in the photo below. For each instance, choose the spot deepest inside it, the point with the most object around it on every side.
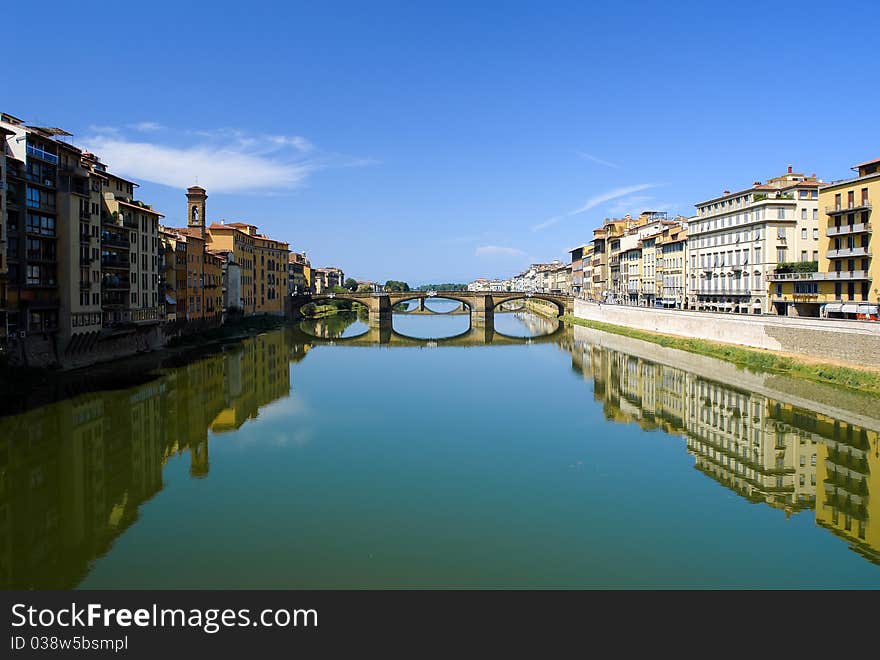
(195, 208)
(198, 459)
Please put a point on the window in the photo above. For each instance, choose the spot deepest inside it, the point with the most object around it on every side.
(780, 232)
(803, 255)
(815, 234)
(780, 213)
(803, 211)
(803, 232)
(815, 255)
(780, 255)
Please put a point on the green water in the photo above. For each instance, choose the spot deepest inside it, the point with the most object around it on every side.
(397, 458)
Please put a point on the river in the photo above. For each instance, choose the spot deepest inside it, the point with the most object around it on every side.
(431, 454)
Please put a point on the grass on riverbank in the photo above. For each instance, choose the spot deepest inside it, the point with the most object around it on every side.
(858, 379)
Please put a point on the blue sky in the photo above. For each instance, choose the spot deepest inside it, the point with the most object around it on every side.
(445, 141)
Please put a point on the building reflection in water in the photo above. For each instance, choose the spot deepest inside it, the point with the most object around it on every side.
(73, 474)
(764, 450)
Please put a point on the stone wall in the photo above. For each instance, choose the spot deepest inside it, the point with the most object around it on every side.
(857, 342)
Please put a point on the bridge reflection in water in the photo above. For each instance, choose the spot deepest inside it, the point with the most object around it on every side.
(333, 329)
(74, 474)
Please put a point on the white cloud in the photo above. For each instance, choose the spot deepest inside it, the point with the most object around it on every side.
(219, 167)
(498, 250)
(146, 126)
(629, 204)
(598, 160)
(595, 201)
(296, 141)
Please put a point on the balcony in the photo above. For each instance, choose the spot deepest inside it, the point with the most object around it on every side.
(776, 276)
(844, 275)
(110, 262)
(85, 286)
(838, 209)
(115, 285)
(115, 240)
(848, 252)
(856, 228)
(42, 154)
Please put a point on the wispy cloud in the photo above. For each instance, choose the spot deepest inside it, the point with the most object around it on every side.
(223, 160)
(595, 201)
(596, 159)
(223, 169)
(147, 126)
(498, 250)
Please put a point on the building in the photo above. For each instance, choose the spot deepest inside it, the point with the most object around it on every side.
(81, 252)
(4, 133)
(299, 277)
(843, 282)
(737, 240)
(324, 279)
(230, 281)
(671, 277)
(581, 270)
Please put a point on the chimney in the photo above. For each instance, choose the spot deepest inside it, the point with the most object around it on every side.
(726, 192)
(756, 184)
(789, 169)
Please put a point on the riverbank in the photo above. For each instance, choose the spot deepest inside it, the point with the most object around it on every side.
(865, 379)
(23, 388)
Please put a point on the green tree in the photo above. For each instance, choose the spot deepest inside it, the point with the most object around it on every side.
(351, 284)
(396, 286)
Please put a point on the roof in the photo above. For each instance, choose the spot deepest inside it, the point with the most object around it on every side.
(867, 162)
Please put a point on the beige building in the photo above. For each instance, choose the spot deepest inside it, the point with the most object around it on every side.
(736, 241)
(845, 281)
(671, 277)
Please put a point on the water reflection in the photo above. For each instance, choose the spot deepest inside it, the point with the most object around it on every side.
(74, 474)
(764, 449)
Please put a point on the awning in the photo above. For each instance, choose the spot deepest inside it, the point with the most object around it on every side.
(833, 307)
(868, 309)
(850, 308)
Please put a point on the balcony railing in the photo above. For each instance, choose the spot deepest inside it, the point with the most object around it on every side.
(849, 252)
(117, 241)
(844, 275)
(855, 228)
(109, 262)
(849, 207)
(42, 154)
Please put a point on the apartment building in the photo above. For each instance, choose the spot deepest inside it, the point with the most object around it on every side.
(234, 239)
(844, 282)
(671, 261)
(129, 228)
(324, 279)
(31, 172)
(299, 273)
(4, 134)
(737, 240)
(581, 269)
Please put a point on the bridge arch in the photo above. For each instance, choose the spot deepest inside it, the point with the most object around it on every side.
(500, 299)
(411, 296)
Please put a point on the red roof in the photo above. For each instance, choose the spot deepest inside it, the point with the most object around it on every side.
(867, 162)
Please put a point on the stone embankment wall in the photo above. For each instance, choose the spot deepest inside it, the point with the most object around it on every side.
(46, 351)
(856, 342)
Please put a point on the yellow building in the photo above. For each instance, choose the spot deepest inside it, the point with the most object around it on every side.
(843, 281)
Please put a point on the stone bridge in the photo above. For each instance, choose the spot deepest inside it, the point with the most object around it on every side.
(384, 334)
(482, 305)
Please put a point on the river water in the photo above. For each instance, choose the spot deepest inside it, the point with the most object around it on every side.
(520, 455)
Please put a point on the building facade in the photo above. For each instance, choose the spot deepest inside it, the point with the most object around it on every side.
(736, 241)
(844, 282)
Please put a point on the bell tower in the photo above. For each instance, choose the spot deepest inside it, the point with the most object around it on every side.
(195, 208)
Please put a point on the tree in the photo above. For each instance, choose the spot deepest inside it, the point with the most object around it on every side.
(396, 286)
(351, 284)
